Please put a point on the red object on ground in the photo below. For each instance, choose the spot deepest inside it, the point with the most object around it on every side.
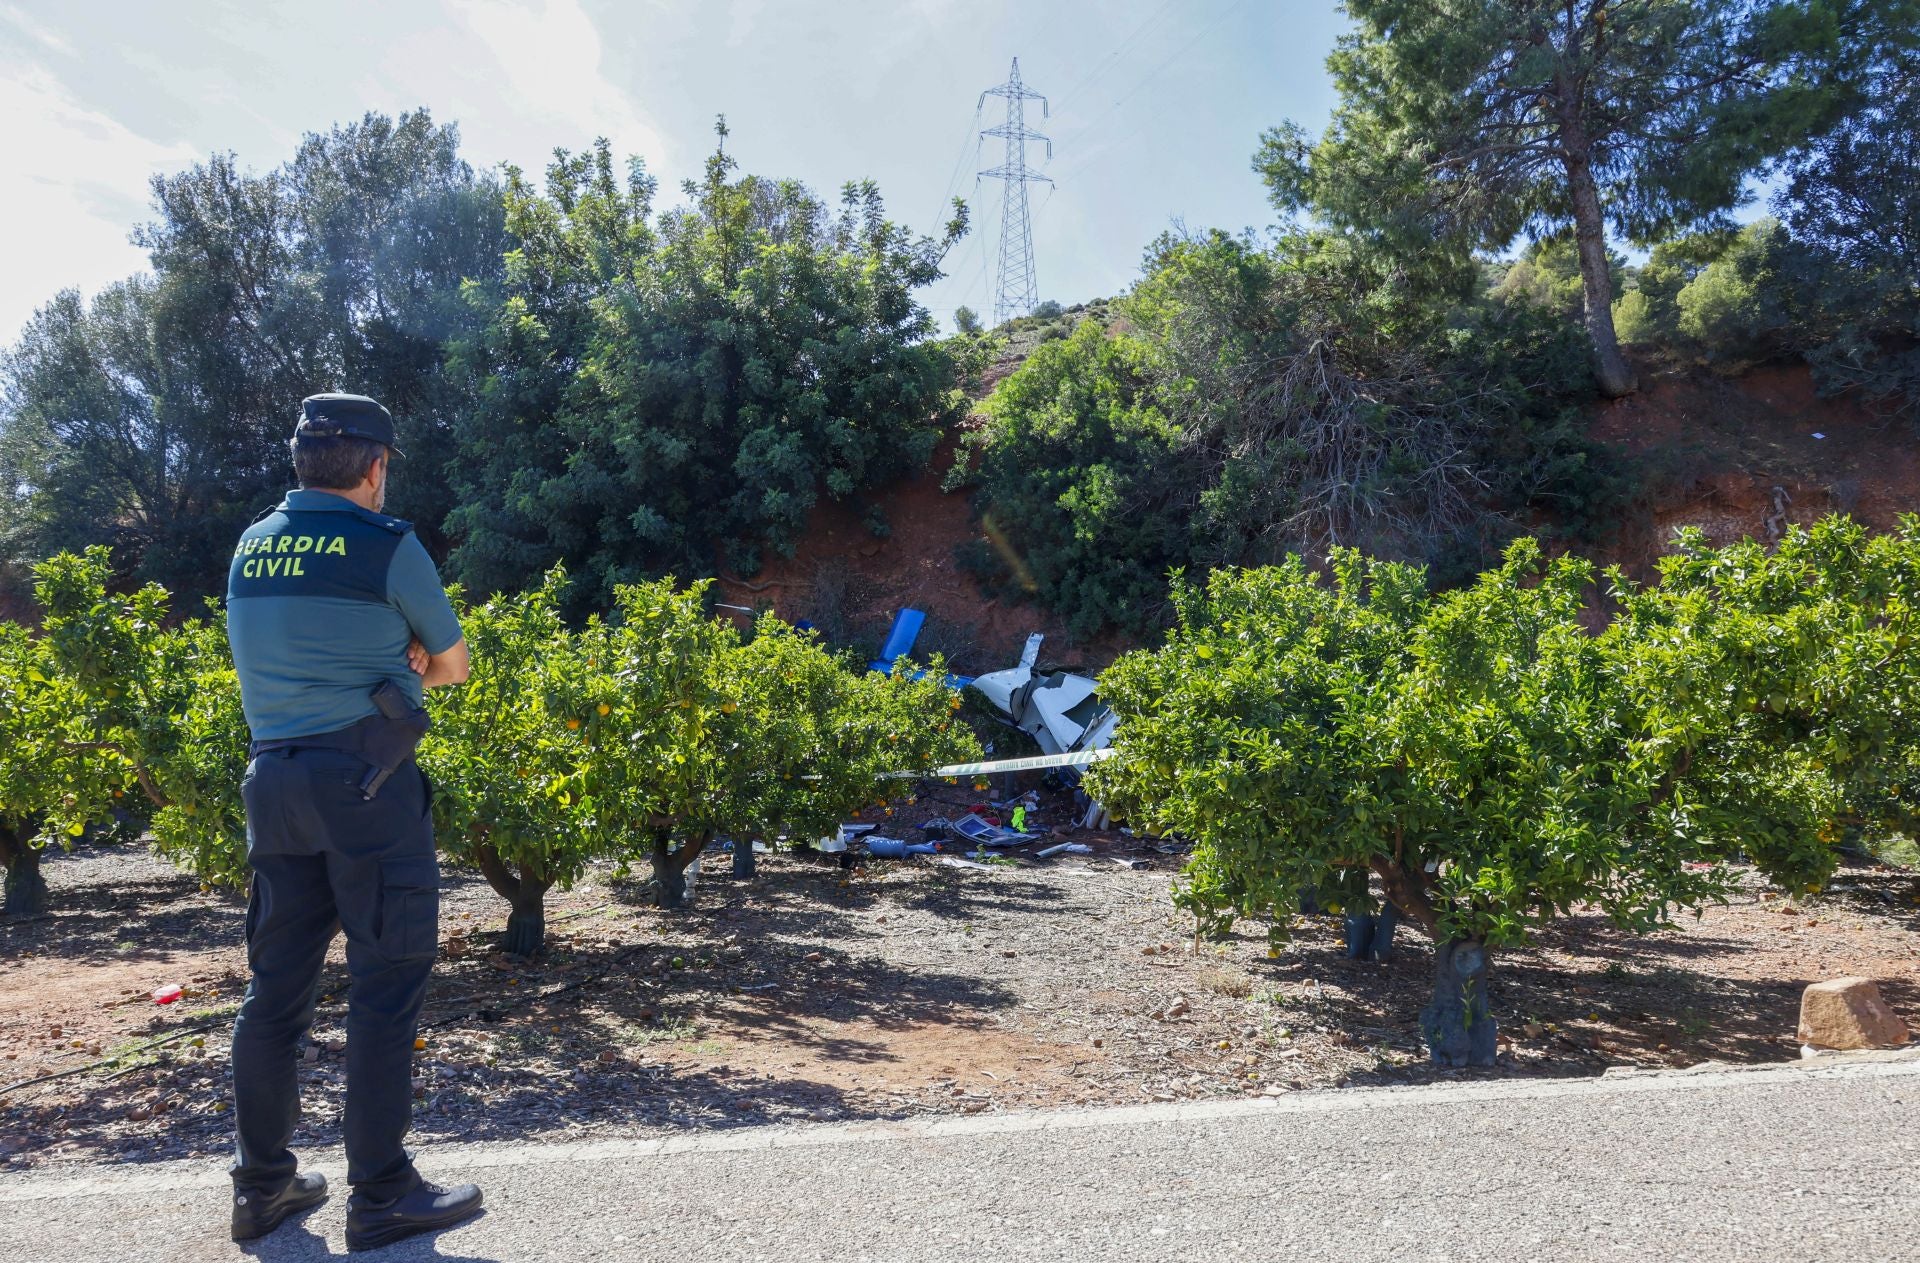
(167, 995)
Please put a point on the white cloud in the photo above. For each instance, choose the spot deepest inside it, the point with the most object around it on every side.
(551, 57)
(88, 176)
(38, 31)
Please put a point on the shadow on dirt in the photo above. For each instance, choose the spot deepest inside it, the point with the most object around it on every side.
(606, 1029)
(1584, 996)
(96, 913)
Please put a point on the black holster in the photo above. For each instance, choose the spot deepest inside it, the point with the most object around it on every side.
(390, 737)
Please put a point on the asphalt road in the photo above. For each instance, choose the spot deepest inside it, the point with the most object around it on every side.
(1813, 1162)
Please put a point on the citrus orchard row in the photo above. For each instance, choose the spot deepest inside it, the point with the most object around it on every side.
(640, 735)
(1495, 756)
(1482, 760)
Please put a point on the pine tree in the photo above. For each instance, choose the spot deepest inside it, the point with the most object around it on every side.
(1466, 124)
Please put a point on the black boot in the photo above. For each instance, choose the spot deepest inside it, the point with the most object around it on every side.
(255, 1214)
(427, 1208)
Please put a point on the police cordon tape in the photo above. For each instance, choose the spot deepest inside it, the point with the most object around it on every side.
(1078, 758)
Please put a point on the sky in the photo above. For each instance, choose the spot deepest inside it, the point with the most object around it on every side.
(1154, 108)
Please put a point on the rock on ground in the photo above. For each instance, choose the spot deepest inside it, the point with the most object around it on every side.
(1849, 1013)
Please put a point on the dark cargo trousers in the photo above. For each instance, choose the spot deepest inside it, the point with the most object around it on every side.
(324, 859)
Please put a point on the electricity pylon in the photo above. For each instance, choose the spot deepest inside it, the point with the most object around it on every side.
(1018, 291)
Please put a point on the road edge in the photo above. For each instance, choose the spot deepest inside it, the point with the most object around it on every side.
(196, 1173)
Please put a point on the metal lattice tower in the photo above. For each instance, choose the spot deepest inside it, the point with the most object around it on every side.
(1018, 290)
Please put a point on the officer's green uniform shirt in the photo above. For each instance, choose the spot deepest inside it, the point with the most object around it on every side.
(322, 599)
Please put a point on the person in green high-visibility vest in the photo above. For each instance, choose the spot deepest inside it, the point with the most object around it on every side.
(1020, 818)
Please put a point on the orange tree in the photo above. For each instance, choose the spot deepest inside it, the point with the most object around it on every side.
(838, 732)
(514, 794)
(701, 731)
(644, 734)
(1481, 754)
(1805, 654)
(129, 702)
(146, 705)
(54, 782)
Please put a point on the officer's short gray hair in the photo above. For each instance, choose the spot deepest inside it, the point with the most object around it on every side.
(336, 462)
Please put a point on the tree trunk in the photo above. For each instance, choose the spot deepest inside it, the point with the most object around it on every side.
(1370, 935)
(525, 893)
(743, 858)
(1359, 932)
(1383, 927)
(1590, 234)
(669, 884)
(26, 889)
(1458, 1024)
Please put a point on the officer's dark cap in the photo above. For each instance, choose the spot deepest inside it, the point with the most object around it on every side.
(326, 416)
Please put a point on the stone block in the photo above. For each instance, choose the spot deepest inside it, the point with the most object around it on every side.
(1849, 1013)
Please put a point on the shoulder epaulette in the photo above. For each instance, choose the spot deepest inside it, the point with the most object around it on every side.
(399, 526)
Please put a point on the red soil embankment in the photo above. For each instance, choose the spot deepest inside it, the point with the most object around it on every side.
(1742, 456)
(1735, 456)
(866, 577)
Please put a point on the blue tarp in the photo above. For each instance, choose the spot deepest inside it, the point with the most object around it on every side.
(906, 629)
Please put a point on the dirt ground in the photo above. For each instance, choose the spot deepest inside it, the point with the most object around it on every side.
(1740, 456)
(889, 990)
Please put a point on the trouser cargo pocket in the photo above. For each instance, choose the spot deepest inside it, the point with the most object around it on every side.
(409, 907)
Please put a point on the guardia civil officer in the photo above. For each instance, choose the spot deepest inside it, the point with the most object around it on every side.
(338, 621)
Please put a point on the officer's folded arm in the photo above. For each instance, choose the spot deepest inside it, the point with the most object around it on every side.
(448, 667)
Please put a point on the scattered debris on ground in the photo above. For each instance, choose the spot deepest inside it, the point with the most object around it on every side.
(933, 984)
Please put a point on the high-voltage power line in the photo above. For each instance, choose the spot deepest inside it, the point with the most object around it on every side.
(1019, 284)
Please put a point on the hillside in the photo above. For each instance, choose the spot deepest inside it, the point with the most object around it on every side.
(849, 582)
(1740, 456)
(1714, 450)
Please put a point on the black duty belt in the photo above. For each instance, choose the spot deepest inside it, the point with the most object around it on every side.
(352, 739)
(384, 740)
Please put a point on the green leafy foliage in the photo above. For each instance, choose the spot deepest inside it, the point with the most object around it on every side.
(163, 701)
(1807, 654)
(1854, 210)
(654, 387)
(644, 735)
(154, 417)
(1076, 447)
(1547, 275)
(833, 732)
(1494, 763)
(746, 737)
(1459, 127)
(389, 225)
(42, 778)
(1832, 283)
(1469, 749)
(1724, 299)
(55, 780)
(509, 796)
(1248, 402)
(641, 735)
